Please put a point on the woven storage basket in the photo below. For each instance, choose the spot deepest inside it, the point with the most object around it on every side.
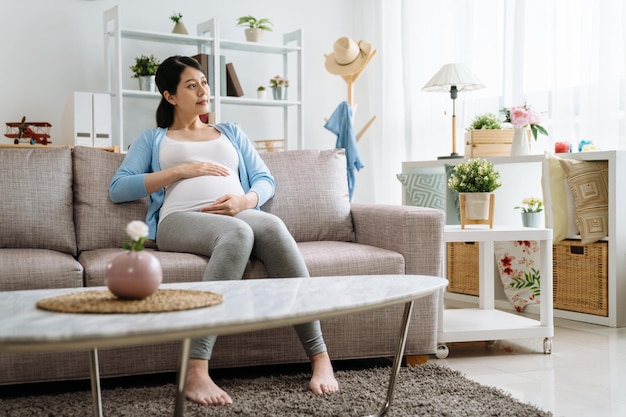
(463, 267)
(580, 278)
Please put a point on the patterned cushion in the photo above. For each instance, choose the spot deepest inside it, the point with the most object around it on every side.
(425, 190)
(311, 194)
(588, 181)
(99, 222)
(518, 264)
(557, 200)
(453, 205)
(36, 190)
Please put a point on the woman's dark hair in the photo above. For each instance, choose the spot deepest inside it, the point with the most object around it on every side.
(167, 79)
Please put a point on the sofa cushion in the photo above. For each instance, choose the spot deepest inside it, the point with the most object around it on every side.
(557, 199)
(589, 183)
(425, 190)
(311, 193)
(99, 222)
(36, 190)
(347, 258)
(34, 269)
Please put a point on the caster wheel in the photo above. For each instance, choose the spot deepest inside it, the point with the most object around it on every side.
(442, 352)
(547, 346)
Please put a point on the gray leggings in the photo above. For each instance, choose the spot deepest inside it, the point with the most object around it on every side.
(230, 242)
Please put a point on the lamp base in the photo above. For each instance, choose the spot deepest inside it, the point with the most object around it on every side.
(453, 155)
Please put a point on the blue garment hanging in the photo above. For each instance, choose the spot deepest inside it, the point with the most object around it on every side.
(340, 123)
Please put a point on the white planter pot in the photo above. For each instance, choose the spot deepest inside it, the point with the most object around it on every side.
(477, 206)
(532, 219)
(261, 94)
(146, 83)
(254, 35)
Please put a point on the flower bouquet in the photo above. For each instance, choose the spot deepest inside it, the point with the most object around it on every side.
(524, 116)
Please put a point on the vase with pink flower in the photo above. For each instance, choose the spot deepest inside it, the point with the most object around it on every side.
(525, 122)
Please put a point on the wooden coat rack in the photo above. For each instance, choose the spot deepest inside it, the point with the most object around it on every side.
(350, 80)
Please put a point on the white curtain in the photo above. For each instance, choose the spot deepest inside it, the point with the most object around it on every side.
(565, 58)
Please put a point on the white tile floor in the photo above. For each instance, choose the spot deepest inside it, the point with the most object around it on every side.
(584, 376)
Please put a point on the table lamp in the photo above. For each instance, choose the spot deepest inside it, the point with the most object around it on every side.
(453, 78)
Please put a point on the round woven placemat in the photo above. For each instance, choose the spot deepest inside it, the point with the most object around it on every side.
(103, 301)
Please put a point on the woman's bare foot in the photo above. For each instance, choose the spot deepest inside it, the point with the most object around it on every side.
(200, 388)
(323, 377)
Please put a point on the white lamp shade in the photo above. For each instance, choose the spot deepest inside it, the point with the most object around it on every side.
(453, 75)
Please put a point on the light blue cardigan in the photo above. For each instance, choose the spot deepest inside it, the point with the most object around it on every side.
(128, 183)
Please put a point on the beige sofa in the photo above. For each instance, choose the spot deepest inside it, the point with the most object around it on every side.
(60, 229)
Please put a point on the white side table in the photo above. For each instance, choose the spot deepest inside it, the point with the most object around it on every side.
(485, 322)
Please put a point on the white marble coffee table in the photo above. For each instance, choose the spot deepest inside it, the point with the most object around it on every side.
(248, 305)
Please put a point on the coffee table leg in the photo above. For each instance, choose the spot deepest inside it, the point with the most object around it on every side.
(179, 408)
(397, 360)
(96, 394)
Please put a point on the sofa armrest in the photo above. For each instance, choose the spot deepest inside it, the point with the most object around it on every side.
(414, 232)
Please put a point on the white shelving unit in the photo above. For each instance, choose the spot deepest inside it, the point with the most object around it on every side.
(521, 177)
(485, 322)
(207, 41)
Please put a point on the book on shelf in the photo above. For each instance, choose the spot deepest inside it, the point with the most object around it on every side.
(233, 88)
(206, 61)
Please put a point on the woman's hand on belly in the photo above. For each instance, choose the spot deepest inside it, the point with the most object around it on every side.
(231, 204)
(196, 169)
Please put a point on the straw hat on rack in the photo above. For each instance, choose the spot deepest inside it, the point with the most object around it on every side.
(348, 57)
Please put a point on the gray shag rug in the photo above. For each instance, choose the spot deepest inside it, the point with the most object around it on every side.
(426, 390)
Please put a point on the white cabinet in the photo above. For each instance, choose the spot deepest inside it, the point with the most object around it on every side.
(521, 177)
(207, 41)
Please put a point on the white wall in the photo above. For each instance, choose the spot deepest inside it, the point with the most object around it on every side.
(51, 48)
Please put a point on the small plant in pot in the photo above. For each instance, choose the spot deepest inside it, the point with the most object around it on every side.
(255, 27)
(487, 131)
(260, 92)
(179, 27)
(145, 69)
(475, 180)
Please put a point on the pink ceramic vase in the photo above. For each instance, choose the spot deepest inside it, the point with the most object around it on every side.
(134, 275)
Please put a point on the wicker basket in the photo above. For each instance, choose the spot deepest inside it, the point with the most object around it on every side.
(580, 278)
(462, 261)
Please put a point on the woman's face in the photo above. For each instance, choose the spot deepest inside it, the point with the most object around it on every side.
(192, 93)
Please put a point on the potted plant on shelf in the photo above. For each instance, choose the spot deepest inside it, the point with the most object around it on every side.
(278, 85)
(145, 69)
(475, 180)
(486, 136)
(255, 27)
(179, 27)
(531, 212)
(260, 92)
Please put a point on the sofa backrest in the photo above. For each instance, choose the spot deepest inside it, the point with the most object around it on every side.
(99, 222)
(36, 198)
(311, 194)
(311, 197)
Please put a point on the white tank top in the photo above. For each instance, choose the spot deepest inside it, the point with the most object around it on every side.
(191, 194)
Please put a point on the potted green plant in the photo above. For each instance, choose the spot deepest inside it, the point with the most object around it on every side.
(475, 180)
(260, 92)
(255, 27)
(145, 69)
(531, 211)
(179, 27)
(486, 137)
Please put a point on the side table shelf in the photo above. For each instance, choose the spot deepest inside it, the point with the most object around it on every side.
(485, 322)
